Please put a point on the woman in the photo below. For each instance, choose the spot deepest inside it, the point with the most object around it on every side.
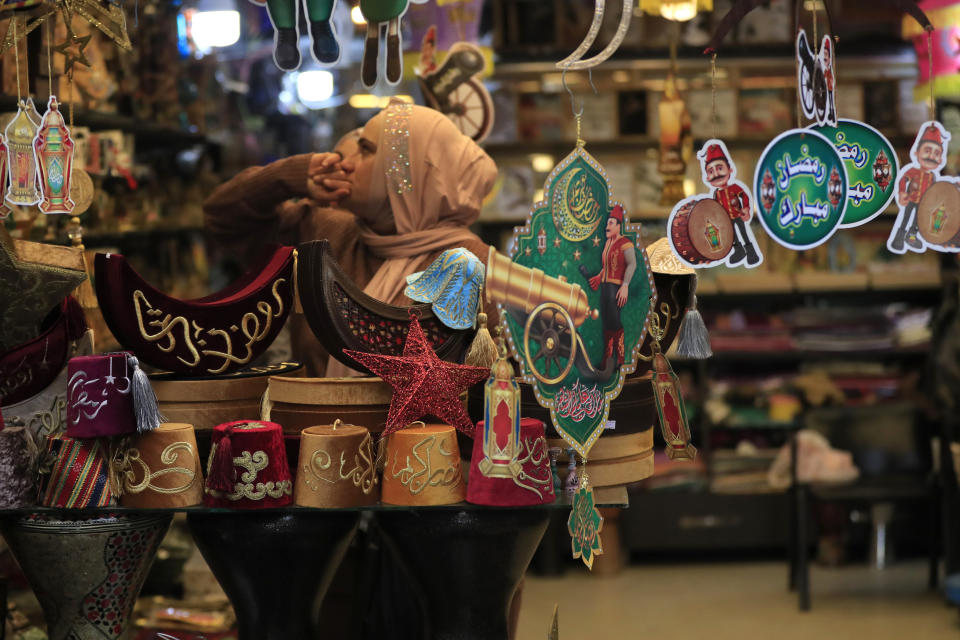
(389, 200)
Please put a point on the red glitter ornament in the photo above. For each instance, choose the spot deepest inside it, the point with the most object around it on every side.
(423, 384)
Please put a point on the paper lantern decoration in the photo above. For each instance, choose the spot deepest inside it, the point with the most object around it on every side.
(54, 150)
(21, 158)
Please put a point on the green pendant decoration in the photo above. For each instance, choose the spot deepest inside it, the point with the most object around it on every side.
(801, 188)
(584, 525)
(575, 299)
(871, 166)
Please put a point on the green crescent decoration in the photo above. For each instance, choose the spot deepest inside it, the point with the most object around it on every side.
(560, 298)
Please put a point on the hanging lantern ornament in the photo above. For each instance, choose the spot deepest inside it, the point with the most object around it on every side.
(54, 150)
(21, 158)
(501, 422)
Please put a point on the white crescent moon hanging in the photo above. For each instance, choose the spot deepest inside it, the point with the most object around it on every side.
(574, 61)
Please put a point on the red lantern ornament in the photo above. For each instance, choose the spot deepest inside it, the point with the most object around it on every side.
(54, 149)
(21, 158)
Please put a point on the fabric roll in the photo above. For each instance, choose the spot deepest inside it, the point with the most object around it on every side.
(422, 467)
(159, 469)
(337, 468)
(78, 473)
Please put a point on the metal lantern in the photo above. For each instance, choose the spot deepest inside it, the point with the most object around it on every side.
(501, 423)
(882, 170)
(54, 150)
(21, 158)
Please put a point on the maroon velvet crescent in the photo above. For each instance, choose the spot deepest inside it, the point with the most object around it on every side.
(212, 335)
(31, 367)
(532, 486)
(260, 475)
(100, 396)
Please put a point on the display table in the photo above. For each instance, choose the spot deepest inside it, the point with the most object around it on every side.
(275, 565)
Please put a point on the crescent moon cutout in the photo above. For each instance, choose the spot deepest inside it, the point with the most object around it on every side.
(622, 28)
(31, 367)
(592, 32)
(342, 316)
(216, 334)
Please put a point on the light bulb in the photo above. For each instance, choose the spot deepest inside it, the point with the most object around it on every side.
(314, 86)
(679, 11)
(214, 29)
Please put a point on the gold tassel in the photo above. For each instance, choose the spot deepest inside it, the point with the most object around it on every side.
(483, 350)
(84, 293)
(297, 307)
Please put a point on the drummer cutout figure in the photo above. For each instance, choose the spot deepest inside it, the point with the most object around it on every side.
(929, 156)
(698, 233)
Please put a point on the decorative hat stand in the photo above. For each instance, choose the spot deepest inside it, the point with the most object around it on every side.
(86, 570)
(467, 564)
(275, 567)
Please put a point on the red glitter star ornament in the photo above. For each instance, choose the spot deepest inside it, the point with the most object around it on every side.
(423, 384)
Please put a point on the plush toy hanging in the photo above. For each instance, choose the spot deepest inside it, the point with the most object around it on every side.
(383, 15)
(285, 17)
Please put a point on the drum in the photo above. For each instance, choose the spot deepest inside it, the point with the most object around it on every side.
(938, 214)
(702, 232)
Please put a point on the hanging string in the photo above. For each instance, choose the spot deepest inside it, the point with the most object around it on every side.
(16, 55)
(713, 94)
(49, 61)
(932, 104)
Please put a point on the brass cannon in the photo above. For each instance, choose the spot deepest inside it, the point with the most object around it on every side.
(553, 309)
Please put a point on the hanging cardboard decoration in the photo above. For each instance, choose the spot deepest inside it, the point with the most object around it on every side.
(871, 164)
(378, 14)
(801, 185)
(285, 18)
(707, 230)
(456, 90)
(21, 158)
(929, 203)
(815, 81)
(54, 148)
(575, 299)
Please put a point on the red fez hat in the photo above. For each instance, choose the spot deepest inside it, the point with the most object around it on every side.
(715, 152)
(932, 134)
(617, 213)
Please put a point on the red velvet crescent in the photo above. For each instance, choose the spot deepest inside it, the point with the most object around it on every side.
(212, 335)
(344, 317)
(31, 367)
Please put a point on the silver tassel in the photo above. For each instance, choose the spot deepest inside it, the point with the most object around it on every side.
(693, 340)
(145, 407)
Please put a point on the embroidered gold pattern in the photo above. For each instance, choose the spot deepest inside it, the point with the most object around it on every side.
(247, 485)
(171, 327)
(51, 422)
(363, 474)
(123, 467)
(535, 450)
(417, 478)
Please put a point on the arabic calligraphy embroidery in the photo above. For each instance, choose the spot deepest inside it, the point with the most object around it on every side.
(417, 478)
(253, 328)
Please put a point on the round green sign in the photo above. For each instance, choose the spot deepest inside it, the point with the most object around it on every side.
(871, 166)
(800, 185)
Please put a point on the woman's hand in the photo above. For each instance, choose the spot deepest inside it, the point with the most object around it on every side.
(326, 180)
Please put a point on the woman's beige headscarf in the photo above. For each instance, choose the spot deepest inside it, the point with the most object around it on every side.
(435, 187)
(433, 179)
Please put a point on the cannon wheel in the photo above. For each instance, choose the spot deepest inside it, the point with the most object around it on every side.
(820, 94)
(468, 109)
(550, 326)
(807, 90)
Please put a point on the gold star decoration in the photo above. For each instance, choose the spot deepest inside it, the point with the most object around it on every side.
(70, 56)
(576, 254)
(526, 251)
(107, 17)
(596, 242)
(33, 20)
(556, 242)
(29, 292)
